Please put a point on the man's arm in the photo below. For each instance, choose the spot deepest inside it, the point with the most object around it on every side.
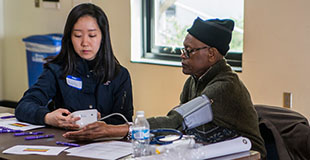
(98, 129)
(173, 120)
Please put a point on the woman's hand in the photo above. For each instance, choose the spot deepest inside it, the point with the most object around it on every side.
(61, 118)
(98, 129)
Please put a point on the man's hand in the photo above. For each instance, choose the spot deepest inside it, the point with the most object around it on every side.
(98, 129)
(61, 118)
(98, 116)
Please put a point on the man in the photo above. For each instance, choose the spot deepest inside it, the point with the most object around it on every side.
(205, 46)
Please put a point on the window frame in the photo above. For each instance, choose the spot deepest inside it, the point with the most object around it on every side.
(160, 55)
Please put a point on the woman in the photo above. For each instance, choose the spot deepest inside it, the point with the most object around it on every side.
(84, 75)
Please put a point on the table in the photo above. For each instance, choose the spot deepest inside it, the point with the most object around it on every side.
(8, 140)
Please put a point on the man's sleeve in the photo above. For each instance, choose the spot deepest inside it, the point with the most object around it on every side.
(173, 120)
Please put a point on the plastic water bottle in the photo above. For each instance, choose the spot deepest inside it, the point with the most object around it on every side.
(140, 135)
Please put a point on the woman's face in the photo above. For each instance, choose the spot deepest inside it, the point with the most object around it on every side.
(86, 37)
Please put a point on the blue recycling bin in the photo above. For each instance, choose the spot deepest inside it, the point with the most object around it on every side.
(38, 47)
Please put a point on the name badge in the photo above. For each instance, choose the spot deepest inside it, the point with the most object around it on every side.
(74, 82)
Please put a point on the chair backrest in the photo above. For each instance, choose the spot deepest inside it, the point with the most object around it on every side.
(286, 133)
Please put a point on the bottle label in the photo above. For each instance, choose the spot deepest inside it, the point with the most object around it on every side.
(140, 134)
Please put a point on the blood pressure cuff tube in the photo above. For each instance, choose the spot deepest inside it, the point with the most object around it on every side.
(196, 112)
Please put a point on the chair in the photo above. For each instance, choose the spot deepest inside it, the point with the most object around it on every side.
(286, 133)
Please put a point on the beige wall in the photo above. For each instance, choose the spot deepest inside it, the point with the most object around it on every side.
(156, 88)
(275, 52)
(22, 19)
(1, 47)
(277, 46)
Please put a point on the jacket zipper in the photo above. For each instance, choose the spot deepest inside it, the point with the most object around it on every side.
(123, 100)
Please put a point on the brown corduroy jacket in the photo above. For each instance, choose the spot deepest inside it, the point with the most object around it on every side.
(232, 106)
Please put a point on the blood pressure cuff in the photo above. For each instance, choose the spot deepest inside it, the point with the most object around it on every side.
(196, 112)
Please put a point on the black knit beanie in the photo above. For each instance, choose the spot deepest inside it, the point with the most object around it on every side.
(213, 32)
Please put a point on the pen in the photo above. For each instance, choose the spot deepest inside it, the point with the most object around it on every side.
(4, 128)
(10, 131)
(27, 133)
(39, 137)
(67, 144)
(7, 117)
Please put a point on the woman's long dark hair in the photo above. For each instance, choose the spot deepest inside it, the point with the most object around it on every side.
(106, 65)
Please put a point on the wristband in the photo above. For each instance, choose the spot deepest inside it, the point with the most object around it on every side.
(128, 136)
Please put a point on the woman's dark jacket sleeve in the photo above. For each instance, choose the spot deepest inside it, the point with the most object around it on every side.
(32, 107)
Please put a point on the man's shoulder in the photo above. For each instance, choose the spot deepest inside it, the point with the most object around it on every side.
(228, 76)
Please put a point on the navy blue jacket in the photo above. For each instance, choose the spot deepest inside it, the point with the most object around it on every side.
(112, 97)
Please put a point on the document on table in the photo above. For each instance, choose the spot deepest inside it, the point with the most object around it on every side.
(102, 150)
(5, 114)
(34, 149)
(13, 123)
(233, 148)
(236, 145)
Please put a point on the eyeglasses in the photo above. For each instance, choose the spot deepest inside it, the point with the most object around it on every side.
(187, 52)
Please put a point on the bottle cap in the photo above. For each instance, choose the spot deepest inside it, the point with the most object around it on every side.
(140, 113)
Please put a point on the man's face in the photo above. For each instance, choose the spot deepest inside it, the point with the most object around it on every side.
(198, 62)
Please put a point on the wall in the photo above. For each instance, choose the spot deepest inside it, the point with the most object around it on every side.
(275, 52)
(156, 88)
(153, 88)
(277, 46)
(1, 47)
(22, 19)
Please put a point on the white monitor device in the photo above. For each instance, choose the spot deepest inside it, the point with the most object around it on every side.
(87, 117)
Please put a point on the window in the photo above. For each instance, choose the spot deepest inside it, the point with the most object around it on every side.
(165, 24)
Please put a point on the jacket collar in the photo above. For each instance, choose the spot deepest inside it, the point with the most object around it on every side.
(81, 66)
(217, 68)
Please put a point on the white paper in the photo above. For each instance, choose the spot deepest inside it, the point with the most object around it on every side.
(102, 150)
(34, 149)
(6, 114)
(233, 156)
(13, 123)
(240, 145)
(232, 146)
